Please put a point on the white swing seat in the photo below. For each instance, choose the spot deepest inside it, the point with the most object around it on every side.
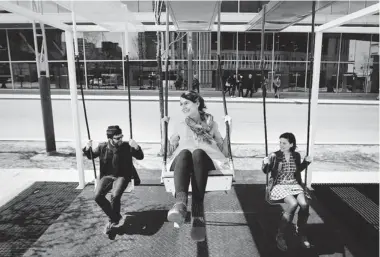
(130, 187)
(218, 180)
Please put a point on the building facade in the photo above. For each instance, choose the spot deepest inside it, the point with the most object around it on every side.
(350, 61)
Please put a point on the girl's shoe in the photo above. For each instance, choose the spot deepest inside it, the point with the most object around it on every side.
(281, 243)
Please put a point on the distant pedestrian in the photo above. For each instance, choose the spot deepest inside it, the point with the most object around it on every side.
(249, 85)
(276, 86)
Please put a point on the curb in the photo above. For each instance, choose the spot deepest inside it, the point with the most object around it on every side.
(157, 142)
(208, 99)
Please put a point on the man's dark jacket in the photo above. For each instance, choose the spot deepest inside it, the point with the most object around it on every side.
(124, 165)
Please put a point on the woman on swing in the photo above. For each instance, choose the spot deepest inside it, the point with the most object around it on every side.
(197, 147)
(285, 167)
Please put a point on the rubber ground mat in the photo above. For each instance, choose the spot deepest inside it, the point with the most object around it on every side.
(26, 217)
(238, 223)
(357, 211)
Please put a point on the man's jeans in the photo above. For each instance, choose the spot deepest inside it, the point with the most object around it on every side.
(118, 185)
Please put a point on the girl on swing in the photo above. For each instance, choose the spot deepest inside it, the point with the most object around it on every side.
(196, 148)
(285, 167)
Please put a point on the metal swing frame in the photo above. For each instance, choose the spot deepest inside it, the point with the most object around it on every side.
(311, 58)
(217, 180)
(131, 184)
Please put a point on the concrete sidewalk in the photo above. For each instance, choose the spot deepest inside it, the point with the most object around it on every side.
(210, 95)
(23, 163)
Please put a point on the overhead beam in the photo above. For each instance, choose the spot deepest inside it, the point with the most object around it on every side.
(347, 18)
(114, 23)
(14, 8)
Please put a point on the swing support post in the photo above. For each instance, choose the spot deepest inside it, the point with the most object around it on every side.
(74, 107)
(78, 71)
(166, 97)
(263, 87)
(126, 76)
(315, 63)
(224, 96)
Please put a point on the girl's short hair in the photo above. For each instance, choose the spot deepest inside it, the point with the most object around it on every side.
(195, 97)
(291, 139)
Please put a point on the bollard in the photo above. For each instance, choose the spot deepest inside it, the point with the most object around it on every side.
(47, 113)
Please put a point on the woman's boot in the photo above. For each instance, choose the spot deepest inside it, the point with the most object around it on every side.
(177, 213)
(286, 218)
(303, 215)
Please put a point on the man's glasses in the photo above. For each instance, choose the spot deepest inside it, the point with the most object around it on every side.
(118, 137)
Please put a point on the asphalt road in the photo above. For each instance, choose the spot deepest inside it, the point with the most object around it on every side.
(337, 124)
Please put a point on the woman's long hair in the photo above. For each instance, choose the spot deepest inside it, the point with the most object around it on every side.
(291, 139)
(195, 97)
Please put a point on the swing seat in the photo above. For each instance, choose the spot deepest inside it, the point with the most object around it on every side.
(218, 180)
(130, 187)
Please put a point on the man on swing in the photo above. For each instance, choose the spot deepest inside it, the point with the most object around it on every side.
(116, 171)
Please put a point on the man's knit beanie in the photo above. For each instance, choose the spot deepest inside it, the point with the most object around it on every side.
(113, 130)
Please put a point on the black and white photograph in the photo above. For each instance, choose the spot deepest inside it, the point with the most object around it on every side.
(189, 128)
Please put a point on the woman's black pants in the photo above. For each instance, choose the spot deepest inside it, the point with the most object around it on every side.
(192, 167)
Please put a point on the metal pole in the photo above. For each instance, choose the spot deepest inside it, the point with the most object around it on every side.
(74, 106)
(190, 60)
(272, 68)
(36, 49)
(224, 98)
(46, 59)
(10, 59)
(311, 65)
(126, 76)
(166, 82)
(263, 87)
(338, 70)
(78, 71)
(220, 84)
(307, 60)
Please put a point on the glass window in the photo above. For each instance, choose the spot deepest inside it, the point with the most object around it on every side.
(328, 77)
(3, 46)
(103, 45)
(59, 78)
(291, 46)
(228, 41)
(251, 6)
(59, 75)
(104, 75)
(147, 45)
(25, 75)
(374, 47)
(373, 78)
(355, 46)
(330, 46)
(230, 6)
(5, 76)
(22, 46)
(133, 6)
(56, 44)
(143, 6)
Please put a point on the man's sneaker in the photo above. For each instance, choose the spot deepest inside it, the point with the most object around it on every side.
(178, 213)
(305, 242)
(108, 227)
(198, 229)
(281, 243)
